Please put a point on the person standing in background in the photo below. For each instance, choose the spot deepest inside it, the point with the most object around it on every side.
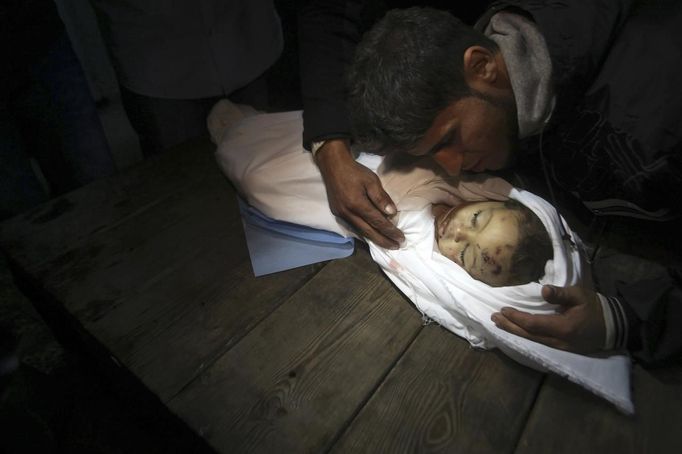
(175, 60)
(46, 110)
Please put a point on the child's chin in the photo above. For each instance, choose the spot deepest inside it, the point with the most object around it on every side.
(452, 257)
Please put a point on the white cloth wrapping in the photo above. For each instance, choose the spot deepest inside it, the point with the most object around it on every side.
(445, 293)
(263, 157)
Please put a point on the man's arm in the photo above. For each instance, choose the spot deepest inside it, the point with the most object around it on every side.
(646, 316)
(355, 194)
(652, 312)
(578, 325)
(328, 33)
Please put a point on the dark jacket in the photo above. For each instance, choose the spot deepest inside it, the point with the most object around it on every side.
(614, 139)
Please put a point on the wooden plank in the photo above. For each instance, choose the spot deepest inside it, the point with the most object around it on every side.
(100, 272)
(169, 333)
(94, 272)
(294, 381)
(443, 396)
(168, 287)
(51, 229)
(568, 419)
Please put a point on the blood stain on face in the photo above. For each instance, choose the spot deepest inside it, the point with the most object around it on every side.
(488, 260)
(479, 237)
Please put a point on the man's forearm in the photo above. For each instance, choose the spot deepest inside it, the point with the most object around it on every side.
(331, 153)
(652, 316)
(328, 34)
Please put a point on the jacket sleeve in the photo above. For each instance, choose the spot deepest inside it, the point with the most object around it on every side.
(329, 30)
(652, 317)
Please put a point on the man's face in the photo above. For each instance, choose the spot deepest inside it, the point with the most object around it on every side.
(472, 134)
(481, 237)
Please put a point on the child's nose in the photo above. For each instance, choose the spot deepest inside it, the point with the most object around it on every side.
(460, 234)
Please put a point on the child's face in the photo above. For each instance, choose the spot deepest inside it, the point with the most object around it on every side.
(481, 237)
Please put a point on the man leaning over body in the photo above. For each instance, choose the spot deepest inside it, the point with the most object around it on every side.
(529, 75)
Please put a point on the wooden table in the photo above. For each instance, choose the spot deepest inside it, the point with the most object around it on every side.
(151, 268)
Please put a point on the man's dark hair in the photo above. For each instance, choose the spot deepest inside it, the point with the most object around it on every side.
(407, 69)
(533, 249)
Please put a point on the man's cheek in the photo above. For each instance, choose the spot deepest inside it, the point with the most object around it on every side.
(450, 160)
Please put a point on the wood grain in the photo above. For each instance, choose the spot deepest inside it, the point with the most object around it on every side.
(100, 272)
(51, 229)
(443, 396)
(172, 331)
(568, 419)
(167, 286)
(295, 380)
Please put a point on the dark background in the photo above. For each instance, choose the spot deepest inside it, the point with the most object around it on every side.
(58, 399)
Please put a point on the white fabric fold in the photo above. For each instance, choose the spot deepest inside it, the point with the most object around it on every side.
(448, 295)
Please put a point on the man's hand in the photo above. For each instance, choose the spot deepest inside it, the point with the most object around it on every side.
(355, 194)
(578, 326)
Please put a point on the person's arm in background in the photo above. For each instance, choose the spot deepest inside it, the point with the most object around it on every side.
(328, 33)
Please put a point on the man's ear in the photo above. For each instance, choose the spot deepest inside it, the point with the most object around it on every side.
(480, 65)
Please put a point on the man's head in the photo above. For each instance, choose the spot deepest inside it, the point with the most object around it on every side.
(422, 82)
(499, 243)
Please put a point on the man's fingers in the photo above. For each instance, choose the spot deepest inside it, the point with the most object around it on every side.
(374, 235)
(578, 326)
(355, 194)
(508, 325)
(565, 296)
(373, 222)
(385, 228)
(539, 325)
(381, 199)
